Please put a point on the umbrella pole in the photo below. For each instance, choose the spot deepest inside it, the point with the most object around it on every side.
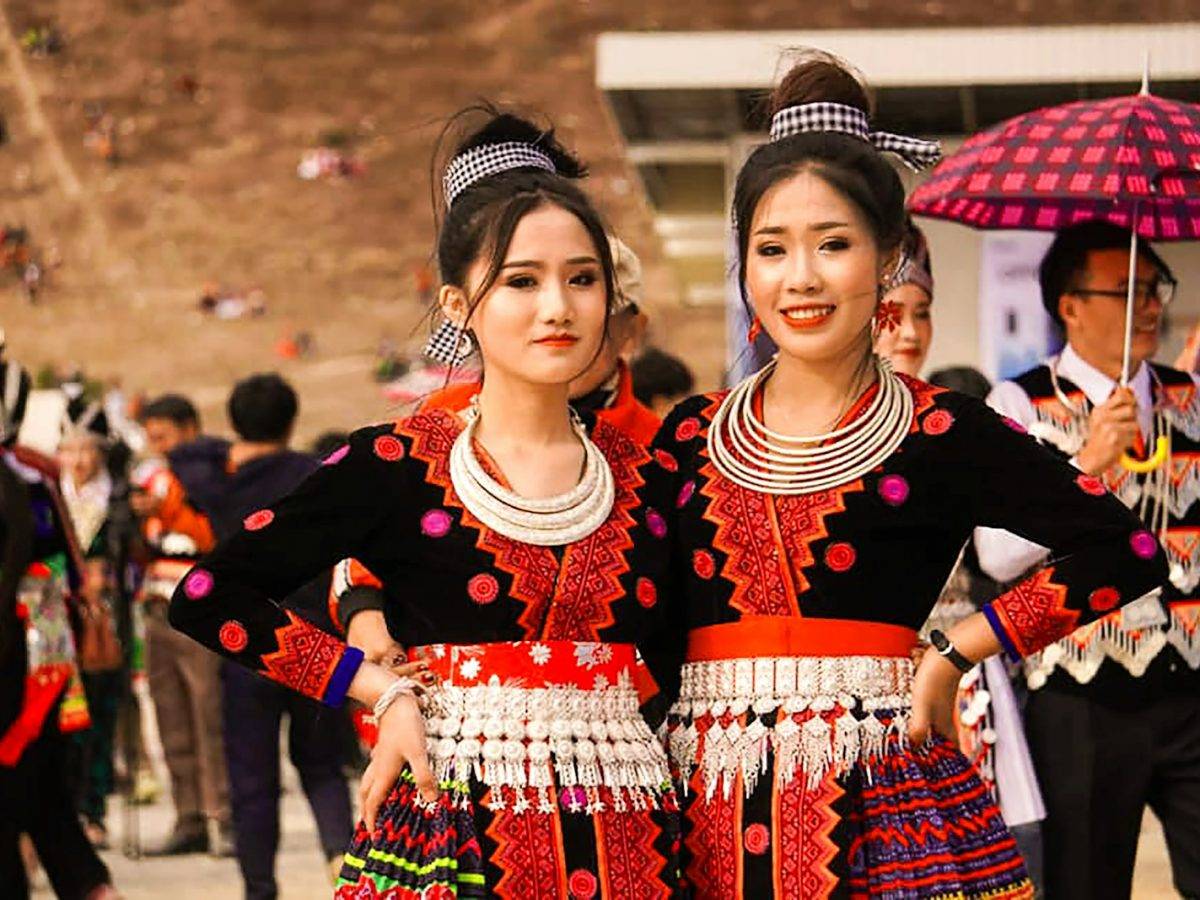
(1129, 295)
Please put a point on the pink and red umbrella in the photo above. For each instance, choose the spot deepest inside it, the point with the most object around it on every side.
(1132, 161)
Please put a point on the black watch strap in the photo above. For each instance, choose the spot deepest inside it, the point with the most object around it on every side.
(943, 646)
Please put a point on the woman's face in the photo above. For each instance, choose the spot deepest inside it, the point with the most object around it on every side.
(80, 457)
(542, 321)
(908, 345)
(812, 269)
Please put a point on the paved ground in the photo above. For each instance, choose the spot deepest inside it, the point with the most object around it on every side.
(302, 877)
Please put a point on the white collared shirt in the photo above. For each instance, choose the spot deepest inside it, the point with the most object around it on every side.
(1003, 555)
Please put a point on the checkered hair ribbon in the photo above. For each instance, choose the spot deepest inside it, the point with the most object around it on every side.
(491, 159)
(916, 153)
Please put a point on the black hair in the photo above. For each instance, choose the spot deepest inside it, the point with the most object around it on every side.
(850, 165)
(173, 407)
(263, 408)
(963, 379)
(656, 373)
(1066, 259)
(485, 215)
(328, 441)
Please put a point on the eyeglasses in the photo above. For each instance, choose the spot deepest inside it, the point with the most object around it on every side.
(1160, 289)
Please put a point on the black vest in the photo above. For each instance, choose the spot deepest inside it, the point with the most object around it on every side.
(1126, 658)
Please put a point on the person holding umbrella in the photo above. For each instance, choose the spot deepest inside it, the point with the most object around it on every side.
(1113, 718)
(1114, 722)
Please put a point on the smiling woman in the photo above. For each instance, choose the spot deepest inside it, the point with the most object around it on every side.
(822, 503)
(905, 328)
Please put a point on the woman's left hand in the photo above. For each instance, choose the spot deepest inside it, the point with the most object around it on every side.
(935, 692)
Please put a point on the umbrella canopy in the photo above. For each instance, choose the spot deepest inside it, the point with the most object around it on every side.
(1133, 161)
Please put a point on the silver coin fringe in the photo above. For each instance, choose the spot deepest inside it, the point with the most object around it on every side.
(804, 715)
(529, 744)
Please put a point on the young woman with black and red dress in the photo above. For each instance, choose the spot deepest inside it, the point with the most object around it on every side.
(503, 538)
(818, 508)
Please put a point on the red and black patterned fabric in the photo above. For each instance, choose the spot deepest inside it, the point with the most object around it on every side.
(910, 822)
(386, 499)
(1094, 159)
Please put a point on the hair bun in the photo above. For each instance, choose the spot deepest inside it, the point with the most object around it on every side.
(499, 127)
(820, 77)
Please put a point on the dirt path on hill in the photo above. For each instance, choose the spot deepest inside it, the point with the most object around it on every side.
(95, 232)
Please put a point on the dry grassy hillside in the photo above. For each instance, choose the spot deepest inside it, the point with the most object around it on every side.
(206, 187)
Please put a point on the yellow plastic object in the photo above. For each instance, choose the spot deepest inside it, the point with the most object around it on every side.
(1162, 448)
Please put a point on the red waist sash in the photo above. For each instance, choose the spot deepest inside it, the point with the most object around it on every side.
(530, 664)
(791, 636)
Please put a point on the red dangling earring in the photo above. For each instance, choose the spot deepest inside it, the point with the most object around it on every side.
(755, 330)
(887, 316)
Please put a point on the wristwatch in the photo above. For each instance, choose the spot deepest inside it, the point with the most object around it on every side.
(942, 645)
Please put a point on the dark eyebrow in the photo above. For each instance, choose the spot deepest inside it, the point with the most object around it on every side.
(817, 226)
(535, 264)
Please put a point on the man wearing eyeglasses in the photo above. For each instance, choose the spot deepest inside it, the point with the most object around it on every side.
(1113, 716)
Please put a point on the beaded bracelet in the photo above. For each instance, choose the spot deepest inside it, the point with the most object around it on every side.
(400, 687)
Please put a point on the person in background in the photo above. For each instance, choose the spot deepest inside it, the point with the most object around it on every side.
(906, 330)
(184, 677)
(87, 489)
(261, 469)
(41, 701)
(660, 380)
(1113, 716)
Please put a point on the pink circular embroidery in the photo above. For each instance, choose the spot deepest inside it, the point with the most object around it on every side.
(233, 636)
(389, 448)
(840, 556)
(647, 593)
(937, 422)
(1143, 544)
(1103, 599)
(1090, 484)
(336, 456)
(685, 494)
(1015, 425)
(483, 588)
(198, 584)
(703, 564)
(258, 520)
(582, 884)
(573, 799)
(893, 489)
(656, 523)
(436, 523)
(666, 460)
(756, 839)
(687, 429)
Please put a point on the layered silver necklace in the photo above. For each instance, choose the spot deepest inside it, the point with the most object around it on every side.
(545, 521)
(748, 453)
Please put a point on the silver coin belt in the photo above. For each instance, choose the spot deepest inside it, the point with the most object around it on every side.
(802, 710)
(533, 747)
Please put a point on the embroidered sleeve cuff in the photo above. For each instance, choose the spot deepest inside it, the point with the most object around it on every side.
(310, 661)
(993, 617)
(343, 674)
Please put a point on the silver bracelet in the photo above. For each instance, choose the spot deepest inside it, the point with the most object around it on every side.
(400, 687)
